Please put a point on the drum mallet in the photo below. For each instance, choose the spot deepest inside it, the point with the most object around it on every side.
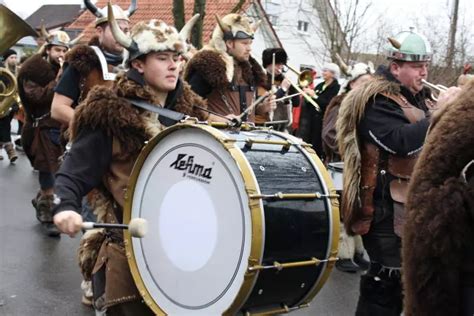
(238, 120)
(138, 227)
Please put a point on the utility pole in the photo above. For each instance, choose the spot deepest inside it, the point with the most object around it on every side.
(452, 34)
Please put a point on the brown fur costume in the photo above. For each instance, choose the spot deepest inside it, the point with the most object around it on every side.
(107, 110)
(350, 115)
(214, 67)
(438, 228)
(83, 58)
(41, 151)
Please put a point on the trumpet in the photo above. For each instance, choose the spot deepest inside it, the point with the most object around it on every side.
(437, 87)
(305, 78)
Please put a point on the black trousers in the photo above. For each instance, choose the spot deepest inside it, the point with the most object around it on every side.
(5, 128)
(311, 128)
(381, 288)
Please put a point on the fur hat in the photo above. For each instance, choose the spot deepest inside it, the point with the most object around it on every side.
(353, 72)
(8, 53)
(280, 56)
(151, 36)
(232, 26)
(102, 14)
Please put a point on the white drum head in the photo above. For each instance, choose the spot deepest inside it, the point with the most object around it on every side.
(195, 254)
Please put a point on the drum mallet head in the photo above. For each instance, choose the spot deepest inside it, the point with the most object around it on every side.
(138, 227)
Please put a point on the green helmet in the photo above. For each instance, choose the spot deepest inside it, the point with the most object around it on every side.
(409, 46)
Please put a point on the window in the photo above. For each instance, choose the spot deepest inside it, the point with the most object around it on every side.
(273, 19)
(303, 26)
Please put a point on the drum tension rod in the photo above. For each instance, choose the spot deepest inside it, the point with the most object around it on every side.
(280, 266)
(250, 141)
(293, 196)
(283, 310)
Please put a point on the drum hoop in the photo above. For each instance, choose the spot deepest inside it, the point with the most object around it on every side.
(256, 213)
(334, 236)
(333, 203)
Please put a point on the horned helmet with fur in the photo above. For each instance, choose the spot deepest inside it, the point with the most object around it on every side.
(355, 71)
(230, 27)
(58, 38)
(151, 36)
(102, 14)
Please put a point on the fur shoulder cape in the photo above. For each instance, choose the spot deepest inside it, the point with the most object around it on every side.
(217, 68)
(106, 109)
(83, 58)
(351, 112)
(438, 228)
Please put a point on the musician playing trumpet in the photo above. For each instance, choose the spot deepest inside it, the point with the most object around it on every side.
(40, 137)
(381, 130)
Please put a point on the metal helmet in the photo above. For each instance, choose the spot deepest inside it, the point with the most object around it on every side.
(58, 38)
(119, 13)
(409, 46)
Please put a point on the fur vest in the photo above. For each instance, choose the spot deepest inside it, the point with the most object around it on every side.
(84, 59)
(42, 151)
(328, 134)
(351, 112)
(130, 128)
(217, 68)
(439, 227)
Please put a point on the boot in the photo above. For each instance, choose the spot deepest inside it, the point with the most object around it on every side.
(347, 265)
(35, 205)
(44, 213)
(10, 152)
(361, 262)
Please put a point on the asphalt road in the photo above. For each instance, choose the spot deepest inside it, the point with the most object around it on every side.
(39, 274)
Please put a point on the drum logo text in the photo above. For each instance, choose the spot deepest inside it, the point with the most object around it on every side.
(192, 168)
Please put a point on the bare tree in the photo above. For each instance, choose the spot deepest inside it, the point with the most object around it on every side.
(343, 22)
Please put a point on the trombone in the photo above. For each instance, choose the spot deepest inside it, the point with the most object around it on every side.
(305, 78)
(437, 87)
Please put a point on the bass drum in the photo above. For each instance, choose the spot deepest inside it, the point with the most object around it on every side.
(240, 222)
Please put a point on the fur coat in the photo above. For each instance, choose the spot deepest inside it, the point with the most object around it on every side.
(130, 127)
(41, 142)
(351, 112)
(217, 68)
(439, 231)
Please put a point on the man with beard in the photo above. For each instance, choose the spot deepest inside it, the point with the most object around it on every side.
(225, 74)
(90, 65)
(40, 138)
(381, 129)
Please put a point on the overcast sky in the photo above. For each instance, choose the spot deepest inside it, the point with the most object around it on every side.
(399, 12)
(396, 11)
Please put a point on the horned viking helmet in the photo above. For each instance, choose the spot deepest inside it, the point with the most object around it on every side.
(151, 36)
(102, 14)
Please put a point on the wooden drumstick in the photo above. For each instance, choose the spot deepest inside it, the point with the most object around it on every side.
(138, 227)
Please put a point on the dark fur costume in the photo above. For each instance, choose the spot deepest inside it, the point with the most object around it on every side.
(83, 58)
(438, 228)
(41, 151)
(351, 112)
(212, 67)
(130, 127)
(106, 109)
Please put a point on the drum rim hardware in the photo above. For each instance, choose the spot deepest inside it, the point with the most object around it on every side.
(284, 309)
(291, 196)
(280, 266)
(256, 208)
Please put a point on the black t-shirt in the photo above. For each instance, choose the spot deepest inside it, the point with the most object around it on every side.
(69, 84)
